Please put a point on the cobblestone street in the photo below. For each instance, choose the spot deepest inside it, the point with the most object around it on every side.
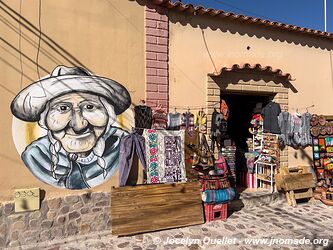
(277, 221)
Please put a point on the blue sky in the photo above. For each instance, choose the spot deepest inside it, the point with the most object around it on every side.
(304, 13)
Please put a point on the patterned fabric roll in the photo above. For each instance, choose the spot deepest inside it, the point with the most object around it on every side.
(221, 195)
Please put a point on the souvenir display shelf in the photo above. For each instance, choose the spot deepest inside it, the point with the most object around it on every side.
(258, 137)
(265, 175)
(267, 164)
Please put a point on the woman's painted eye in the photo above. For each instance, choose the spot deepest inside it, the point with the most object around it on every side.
(63, 108)
(89, 106)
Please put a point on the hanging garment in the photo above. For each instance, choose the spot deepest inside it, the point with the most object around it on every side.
(200, 121)
(284, 119)
(174, 121)
(218, 130)
(296, 125)
(130, 144)
(187, 121)
(143, 117)
(165, 156)
(224, 109)
(270, 115)
(306, 138)
(258, 108)
(160, 119)
(191, 142)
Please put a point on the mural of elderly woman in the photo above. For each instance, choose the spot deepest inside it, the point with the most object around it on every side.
(79, 111)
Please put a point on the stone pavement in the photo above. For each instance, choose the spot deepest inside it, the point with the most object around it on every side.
(277, 221)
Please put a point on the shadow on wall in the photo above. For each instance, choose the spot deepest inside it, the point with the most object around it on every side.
(302, 154)
(252, 30)
(15, 17)
(28, 32)
(246, 76)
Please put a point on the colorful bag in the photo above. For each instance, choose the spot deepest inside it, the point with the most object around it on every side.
(214, 182)
(221, 163)
(202, 156)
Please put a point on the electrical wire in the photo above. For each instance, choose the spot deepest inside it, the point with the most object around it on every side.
(246, 11)
(210, 55)
(188, 107)
(20, 46)
(40, 35)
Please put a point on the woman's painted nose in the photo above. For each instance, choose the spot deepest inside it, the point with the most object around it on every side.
(78, 123)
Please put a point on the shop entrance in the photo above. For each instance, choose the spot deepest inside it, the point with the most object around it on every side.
(241, 109)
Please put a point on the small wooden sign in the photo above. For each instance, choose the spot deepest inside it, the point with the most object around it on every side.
(146, 208)
(27, 199)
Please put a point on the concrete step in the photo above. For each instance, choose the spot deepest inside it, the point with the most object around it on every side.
(250, 198)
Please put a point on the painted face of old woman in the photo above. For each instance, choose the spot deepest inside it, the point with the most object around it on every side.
(78, 111)
(77, 120)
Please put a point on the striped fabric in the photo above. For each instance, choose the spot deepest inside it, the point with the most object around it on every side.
(222, 195)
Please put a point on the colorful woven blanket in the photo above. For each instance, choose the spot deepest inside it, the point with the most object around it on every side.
(165, 156)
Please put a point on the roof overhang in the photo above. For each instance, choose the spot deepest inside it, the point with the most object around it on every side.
(199, 10)
(255, 69)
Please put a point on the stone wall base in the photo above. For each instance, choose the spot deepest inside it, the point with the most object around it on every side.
(57, 218)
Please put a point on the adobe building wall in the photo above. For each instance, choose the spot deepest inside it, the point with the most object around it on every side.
(201, 45)
(105, 37)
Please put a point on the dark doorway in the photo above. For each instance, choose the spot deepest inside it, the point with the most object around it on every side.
(241, 107)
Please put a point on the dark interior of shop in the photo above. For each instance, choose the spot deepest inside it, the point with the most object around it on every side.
(241, 107)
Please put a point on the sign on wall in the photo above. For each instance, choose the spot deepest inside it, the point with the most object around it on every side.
(77, 143)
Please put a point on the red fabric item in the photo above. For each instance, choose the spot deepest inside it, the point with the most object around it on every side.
(221, 163)
(224, 109)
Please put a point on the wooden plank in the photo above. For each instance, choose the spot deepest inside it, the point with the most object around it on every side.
(303, 195)
(298, 181)
(292, 198)
(146, 208)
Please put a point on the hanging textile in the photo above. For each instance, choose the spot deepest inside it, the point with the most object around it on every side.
(187, 121)
(174, 121)
(160, 119)
(130, 144)
(191, 142)
(296, 126)
(270, 115)
(295, 129)
(284, 119)
(224, 109)
(143, 117)
(200, 121)
(306, 139)
(165, 156)
(218, 130)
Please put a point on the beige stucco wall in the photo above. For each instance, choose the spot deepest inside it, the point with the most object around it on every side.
(106, 37)
(201, 45)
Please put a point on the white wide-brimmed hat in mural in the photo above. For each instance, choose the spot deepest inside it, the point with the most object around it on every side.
(31, 101)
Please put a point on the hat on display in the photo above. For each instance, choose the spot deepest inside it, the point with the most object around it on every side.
(314, 120)
(258, 108)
